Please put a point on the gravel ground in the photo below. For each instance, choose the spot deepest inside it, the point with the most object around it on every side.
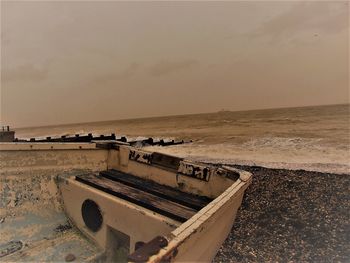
(291, 216)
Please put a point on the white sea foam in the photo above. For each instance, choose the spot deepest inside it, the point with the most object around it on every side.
(312, 138)
(286, 155)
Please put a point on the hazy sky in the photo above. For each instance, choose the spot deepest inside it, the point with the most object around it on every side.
(66, 62)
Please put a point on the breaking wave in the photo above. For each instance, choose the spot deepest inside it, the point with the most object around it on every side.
(312, 138)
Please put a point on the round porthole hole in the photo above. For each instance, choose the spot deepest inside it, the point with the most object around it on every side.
(91, 214)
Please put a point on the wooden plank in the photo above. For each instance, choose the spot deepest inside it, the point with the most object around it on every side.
(169, 193)
(157, 204)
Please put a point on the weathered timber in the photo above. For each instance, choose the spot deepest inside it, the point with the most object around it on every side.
(89, 138)
(151, 142)
(166, 192)
(152, 202)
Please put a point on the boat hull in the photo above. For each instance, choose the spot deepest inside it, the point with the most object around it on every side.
(39, 180)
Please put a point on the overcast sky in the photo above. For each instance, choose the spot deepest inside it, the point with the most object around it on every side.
(68, 62)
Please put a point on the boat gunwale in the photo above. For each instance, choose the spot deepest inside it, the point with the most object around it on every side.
(179, 235)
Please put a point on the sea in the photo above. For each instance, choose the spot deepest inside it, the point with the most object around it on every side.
(313, 138)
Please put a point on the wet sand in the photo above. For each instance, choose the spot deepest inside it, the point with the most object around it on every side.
(291, 216)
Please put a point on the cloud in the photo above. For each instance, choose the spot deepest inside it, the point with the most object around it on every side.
(111, 79)
(165, 67)
(317, 17)
(24, 72)
(129, 71)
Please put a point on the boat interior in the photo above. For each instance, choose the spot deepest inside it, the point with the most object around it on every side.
(107, 201)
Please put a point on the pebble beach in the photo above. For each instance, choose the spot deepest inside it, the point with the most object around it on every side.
(291, 216)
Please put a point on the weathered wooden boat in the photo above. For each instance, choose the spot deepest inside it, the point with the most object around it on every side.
(107, 201)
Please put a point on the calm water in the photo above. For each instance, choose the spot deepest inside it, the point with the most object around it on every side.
(314, 138)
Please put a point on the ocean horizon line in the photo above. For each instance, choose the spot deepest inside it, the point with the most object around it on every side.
(178, 115)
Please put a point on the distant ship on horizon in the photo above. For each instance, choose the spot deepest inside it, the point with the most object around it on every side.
(223, 111)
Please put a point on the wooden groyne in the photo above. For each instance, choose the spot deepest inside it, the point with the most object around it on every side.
(112, 137)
